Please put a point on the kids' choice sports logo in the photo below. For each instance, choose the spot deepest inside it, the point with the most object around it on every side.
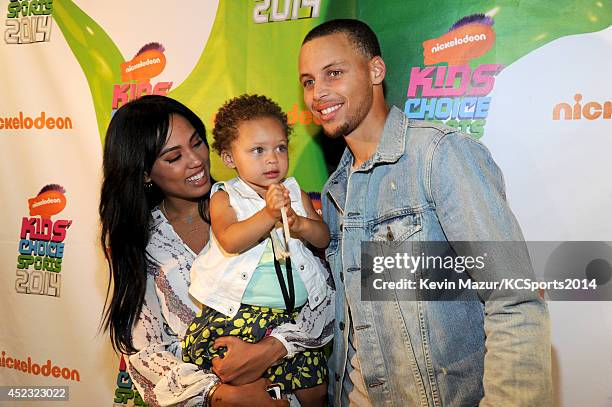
(41, 244)
(28, 21)
(455, 93)
(126, 390)
(136, 75)
(264, 12)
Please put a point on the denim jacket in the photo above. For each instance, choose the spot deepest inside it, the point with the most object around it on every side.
(428, 182)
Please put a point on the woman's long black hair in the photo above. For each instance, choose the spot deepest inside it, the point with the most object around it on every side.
(134, 139)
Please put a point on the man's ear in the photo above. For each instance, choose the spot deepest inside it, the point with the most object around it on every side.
(227, 159)
(378, 70)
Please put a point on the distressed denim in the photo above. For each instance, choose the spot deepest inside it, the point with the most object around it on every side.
(428, 182)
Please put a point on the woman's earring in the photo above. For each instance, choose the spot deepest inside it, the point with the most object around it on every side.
(148, 185)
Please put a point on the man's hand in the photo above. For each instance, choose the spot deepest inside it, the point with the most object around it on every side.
(247, 395)
(245, 362)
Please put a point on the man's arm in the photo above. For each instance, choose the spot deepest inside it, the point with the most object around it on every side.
(467, 189)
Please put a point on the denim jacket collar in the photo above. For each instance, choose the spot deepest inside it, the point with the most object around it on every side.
(390, 148)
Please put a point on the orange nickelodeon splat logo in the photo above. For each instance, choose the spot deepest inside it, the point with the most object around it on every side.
(49, 201)
(145, 65)
(469, 38)
(136, 75)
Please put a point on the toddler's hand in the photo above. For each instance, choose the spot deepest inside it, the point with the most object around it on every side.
(277, 196)
(294, 220)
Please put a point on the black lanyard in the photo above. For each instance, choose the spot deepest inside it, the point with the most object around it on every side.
(288, 297)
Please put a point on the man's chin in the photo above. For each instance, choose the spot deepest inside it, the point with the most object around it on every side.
(336, 132)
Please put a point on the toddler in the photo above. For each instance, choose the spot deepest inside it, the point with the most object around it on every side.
(243, 281)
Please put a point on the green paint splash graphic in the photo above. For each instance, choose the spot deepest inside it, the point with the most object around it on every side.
(97, 54)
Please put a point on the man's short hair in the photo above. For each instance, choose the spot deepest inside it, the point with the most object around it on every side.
(358, 33)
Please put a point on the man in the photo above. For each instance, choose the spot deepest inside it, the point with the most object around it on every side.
(402, 180)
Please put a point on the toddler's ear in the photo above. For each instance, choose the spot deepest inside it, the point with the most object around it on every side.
(226, 156)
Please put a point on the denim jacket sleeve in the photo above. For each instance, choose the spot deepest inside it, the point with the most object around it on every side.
(467, 190)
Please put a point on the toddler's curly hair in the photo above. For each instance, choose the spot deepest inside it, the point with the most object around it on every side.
(240, 109)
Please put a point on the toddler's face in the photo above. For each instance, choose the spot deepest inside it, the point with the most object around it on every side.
(259, 154)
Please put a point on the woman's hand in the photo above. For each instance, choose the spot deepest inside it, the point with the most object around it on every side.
(246, 362)
(246, 395)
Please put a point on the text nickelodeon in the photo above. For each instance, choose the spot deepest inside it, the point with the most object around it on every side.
(42, 121)
(455, 93)
(589, 110)
(47, 369)
(459, 46)
(143, 66)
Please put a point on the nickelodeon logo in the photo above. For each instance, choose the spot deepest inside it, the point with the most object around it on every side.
(43, 121)
(48, 369)
(456, 93)
(148, 63)
(469, 38)
(589, 111)
(49, 201)
(144, 66)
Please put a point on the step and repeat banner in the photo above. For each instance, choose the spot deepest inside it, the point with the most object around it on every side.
(529, 79)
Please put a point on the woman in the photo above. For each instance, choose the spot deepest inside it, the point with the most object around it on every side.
(154, 215)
